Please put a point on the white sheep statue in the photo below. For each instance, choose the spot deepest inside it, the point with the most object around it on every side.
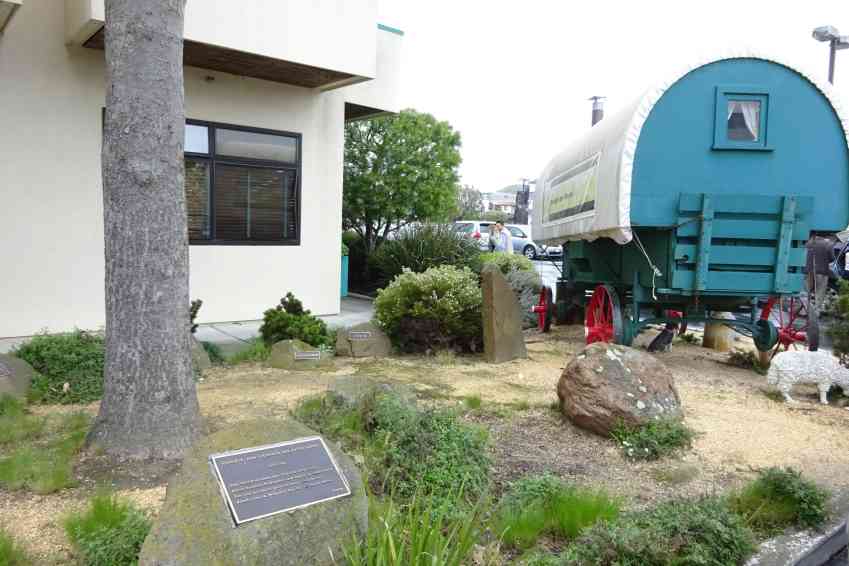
(801, 366)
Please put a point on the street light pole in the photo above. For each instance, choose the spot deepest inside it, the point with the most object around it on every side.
(835, 41)
(832, 52)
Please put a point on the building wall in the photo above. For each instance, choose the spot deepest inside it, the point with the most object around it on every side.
(51, 210)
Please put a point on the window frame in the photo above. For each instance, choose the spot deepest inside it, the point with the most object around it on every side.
(213, 159)
(728, 93)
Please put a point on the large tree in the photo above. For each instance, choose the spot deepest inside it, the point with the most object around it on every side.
(149, 406)
(398, 169)
(469, 203)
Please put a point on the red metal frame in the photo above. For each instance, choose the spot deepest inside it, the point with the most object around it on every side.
(598, 322)
(788, 333)
(542, 309)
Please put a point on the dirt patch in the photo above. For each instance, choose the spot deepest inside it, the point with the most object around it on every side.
(741, 429)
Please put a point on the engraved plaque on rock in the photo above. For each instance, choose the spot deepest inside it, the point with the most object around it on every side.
(265, 480)
(308, 355)
(359, 335)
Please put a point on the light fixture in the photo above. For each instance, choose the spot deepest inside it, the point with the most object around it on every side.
(836, 41)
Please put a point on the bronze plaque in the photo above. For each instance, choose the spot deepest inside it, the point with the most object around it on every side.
(266, 480)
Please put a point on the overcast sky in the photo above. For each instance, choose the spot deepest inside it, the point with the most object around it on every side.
(514, 77)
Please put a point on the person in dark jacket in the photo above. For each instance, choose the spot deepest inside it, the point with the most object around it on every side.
(820, 255)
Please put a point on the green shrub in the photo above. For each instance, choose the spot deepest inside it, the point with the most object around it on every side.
(507, 262)
(109, 533)
(10, 553)
(428, 452)
(256, 351)
(439, 309)
(495, 216)
(15, 424)
(213, 350)
(47, 466)
(290, 321)
(683, 532)
(838, 330)
(422, 247)
(654, 440)
(345, 250)
(75, 358)
(422, 533)
(779, 498)
(545, 505)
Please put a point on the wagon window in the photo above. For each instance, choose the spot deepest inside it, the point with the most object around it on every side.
(744, 120)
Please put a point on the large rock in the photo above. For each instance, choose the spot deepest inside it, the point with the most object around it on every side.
(363, 341)
(297, 355)
(607, 384)
(502, 319)
(194, 526)
(200, 358)
(15, 376)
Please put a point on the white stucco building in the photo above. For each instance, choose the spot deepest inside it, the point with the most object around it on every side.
(269, 85)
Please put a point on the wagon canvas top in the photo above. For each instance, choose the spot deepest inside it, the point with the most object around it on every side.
(744, 122)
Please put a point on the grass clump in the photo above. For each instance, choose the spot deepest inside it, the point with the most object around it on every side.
(780, 498)
(75, 358)
(545, 505)
(256, 351)
(746, 359)
(45, 465)
(473, 402)
(10, 553)
(690, 532)
(417, 451)
(15, 424)
(421, 533)
(653, 440)
(109, 533)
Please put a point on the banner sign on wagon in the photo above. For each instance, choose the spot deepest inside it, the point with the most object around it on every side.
(573, 192)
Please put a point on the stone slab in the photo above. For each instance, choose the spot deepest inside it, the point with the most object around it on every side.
(502, 319)
(15, 376)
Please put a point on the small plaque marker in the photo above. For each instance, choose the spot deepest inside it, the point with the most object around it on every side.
(359, 335)
(266, 480)
(309, 355)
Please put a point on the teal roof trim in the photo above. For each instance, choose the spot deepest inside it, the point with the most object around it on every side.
(396, 31)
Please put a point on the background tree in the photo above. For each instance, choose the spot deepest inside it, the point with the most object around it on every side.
(469, 203)
(398, 169)
(149, 406)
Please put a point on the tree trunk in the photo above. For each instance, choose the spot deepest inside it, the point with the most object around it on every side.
(149, 407)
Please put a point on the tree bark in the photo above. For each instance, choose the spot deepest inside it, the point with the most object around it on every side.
(149, 407)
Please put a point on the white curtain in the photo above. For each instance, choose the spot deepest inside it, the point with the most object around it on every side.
(751, 110)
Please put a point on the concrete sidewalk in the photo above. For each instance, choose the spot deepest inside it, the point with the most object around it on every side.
(233, 336)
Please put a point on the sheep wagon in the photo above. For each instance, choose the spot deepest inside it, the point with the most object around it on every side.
(698, 198)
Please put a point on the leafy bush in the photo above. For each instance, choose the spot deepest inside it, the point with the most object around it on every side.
(422, 247)
(47, 466)
(839, 328)
(15, 424)
(544, 504)
(290, 321)
(10, 553)
(194, 308)
(526, 285)
(685, 532)
(75, 358)
(654, 440)
(421, 533)
(439, 309)
(426, 452)
(256, 351)
(109, 533)
(779, 498)
(507, 262)
(213, 350)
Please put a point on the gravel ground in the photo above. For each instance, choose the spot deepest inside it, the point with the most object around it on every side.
(741, 429)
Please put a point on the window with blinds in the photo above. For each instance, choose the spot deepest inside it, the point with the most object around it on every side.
(242, 185)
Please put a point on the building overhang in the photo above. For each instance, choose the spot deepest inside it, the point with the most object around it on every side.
(7, 10)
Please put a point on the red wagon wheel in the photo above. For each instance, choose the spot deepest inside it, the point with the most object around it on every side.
(603, 320)
(544, 309)
(797, 324)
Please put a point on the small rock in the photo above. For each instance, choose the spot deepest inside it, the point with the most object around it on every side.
(15, 376)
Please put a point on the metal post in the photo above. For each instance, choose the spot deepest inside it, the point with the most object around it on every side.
(833, 50)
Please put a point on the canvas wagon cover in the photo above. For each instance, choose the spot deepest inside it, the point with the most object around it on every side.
(584, 193)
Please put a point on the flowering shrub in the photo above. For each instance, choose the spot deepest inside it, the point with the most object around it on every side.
(437, 309)
(507, 262)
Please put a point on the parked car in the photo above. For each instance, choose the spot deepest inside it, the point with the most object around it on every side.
(522, 243)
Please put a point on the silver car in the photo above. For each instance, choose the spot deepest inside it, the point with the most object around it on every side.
(522, 243)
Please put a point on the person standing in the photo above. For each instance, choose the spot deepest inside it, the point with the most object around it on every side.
(504, 240)
(819, 256)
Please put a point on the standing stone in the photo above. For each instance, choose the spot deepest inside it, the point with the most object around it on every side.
(362, 341)
(200, 358)
(194, 527)
(606, 385)
(297, 355)
(502, 319)
(15, 376)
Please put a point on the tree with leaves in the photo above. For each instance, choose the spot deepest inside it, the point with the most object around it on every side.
(469, 203)
(398, 170)
(150, 406)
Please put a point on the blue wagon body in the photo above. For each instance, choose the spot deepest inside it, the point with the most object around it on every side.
(701, 195)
